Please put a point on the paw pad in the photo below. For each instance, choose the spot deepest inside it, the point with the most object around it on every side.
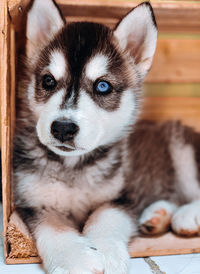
(155, 219)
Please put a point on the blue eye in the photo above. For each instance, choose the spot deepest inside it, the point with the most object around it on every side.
(103, 87)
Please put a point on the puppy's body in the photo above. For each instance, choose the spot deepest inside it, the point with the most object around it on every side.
(82, 163)
(115, 174)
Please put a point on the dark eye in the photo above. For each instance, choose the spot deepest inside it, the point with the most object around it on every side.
(103, 87)
(48, 82)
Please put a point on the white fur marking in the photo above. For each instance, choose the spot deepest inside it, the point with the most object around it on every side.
(97, 67)
(57, 65)
(58, 195)
(185, 166)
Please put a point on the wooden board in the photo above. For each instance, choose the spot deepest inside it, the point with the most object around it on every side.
(176, 60)
(167, 244)
(172, 90)
(6, 76)
(185, 109)
(172, 16)
(31, 260)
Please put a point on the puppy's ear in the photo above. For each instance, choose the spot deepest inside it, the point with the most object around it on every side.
(44, 20)
(137, 35)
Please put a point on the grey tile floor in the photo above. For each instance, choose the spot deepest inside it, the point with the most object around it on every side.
(179, 264)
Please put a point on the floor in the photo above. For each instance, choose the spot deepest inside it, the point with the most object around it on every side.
(179, 264)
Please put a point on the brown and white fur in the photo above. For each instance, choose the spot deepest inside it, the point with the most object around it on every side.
(84, 192)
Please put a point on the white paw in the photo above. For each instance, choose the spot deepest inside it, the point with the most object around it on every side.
(78, 257)
(186, 220)
(156, 218)
(116, 256)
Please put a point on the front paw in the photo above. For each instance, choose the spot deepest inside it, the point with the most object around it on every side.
(79, 258)
(156, 218)
(116, 256)
(186, 220)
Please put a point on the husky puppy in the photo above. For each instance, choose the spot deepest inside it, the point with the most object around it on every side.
(87, 175)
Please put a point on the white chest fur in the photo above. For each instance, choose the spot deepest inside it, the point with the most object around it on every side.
(87, 190)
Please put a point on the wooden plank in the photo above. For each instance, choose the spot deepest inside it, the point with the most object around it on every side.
(31, 260)
(172, 90)
(167, 244)
(12, 83)
(5, 113)
(185, 109)
(17, 10)
(173, 16)
(176, 60)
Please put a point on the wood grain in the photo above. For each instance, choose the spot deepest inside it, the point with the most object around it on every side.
(12, 86)
(31, 260)
(185, 109)
(17, 11)
(167, 244)
(173, 16)
(5, 79)
(176, 61)
(172, 89)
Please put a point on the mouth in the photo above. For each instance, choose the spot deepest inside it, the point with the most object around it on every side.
(65, 148)
(68, 147)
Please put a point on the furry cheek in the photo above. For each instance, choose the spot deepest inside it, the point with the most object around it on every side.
(100, 127)
(49, 113)
(35, 107)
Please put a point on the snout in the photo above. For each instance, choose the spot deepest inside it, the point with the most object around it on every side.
(64, 130)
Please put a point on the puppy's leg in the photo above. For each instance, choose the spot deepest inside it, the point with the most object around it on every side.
(156, 218)
(62, 249)
(110, 229)
(186, 220)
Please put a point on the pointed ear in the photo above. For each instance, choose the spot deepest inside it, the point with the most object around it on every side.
(44, 20)
(137, 35)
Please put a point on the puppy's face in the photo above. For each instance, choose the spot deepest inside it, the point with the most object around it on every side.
(85, 79)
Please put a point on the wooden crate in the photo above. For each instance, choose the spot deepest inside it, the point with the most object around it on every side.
(177, 61)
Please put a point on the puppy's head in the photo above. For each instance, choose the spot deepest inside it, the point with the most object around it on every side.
(85, 79)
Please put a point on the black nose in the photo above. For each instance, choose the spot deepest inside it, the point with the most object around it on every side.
(64, 130)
